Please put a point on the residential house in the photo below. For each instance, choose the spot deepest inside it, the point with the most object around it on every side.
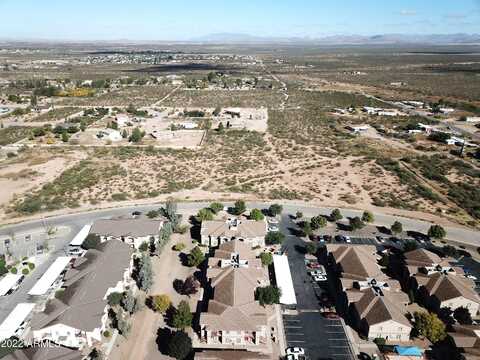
(438, 282)
(376, 303)
(357, 129)
(380, 316)
(78, 317)
(234, 319)
(109, 134)
(466, 338)
(216, 232)
(131, 231)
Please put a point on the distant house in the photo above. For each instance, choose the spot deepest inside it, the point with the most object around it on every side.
(473, 119)
(109, 134)
(216, 232)
(357, 129)
(122, 120)
(131, 231)
(446, 111)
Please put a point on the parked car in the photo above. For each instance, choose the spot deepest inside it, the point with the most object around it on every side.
(136, 213)
(339, 238)
(272, 221)
(273, 228)
(470, 276)
(328, 238)
(320, 278)
(347, 239)
(316, 238)
(295, 351)
(330, 315)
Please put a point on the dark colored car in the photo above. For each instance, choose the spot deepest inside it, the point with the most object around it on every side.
(328, 238)
(330, 315)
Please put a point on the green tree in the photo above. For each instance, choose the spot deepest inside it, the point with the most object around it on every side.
(196, 257)
(114, 298)
(180, 345)
(356, 223)
(307, 228)
(298, 215)
(273, 238)
(410, 245)
(161, 303)
(239, 207)
(311, 248)
(216, 207)
(267, 259)
(318, 222)
(368, 217)
(430, 326)
(204, 215)
(268, 295)
(145, 273)
(152, 214)
(397, 227)
(256, 215)
(182, 318)
(450, 250)
(336, 215)
(129, 302)
(220, 128)
(136, 135)
(92, 241)
(275, 209)
(65, 136)
(437, 232)
(463, 316)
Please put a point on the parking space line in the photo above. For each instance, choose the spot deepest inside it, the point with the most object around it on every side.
(296, 341)
(295, 334)
(293, 327)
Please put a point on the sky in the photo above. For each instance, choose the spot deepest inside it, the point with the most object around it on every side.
(189, 19)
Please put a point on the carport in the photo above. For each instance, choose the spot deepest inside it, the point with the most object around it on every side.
(283, 278)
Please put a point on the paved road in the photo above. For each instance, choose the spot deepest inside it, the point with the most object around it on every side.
(320, 337)
(459, 234)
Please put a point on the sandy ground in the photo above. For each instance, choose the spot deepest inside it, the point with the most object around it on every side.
(141, 342)
(16, 178)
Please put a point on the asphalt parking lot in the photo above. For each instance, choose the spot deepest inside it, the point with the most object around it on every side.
(320, 337)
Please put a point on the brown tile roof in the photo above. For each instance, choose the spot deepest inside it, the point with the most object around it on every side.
(446, 287)
(247, 229)
(357, 262)
(377, 309)
(233, 306)
(126, 227)
(422, 257)
(466, 336)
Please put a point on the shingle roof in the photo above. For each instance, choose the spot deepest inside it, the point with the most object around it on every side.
(246, 229)
(82, 303)
(126, 227)
(422, 257)
(377, 309)
(233, 306)
(357, 262)
(446, 287)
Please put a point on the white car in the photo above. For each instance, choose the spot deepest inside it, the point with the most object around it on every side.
(272, 221)
(347, 239)
(320, 278)
(471, 277)
(273, 228)
(295, 351)
(317, 273)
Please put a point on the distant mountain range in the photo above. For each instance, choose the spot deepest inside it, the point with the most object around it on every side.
(436, 39)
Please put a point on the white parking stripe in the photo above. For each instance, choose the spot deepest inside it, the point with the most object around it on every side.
(296, 341)
(293, 327)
